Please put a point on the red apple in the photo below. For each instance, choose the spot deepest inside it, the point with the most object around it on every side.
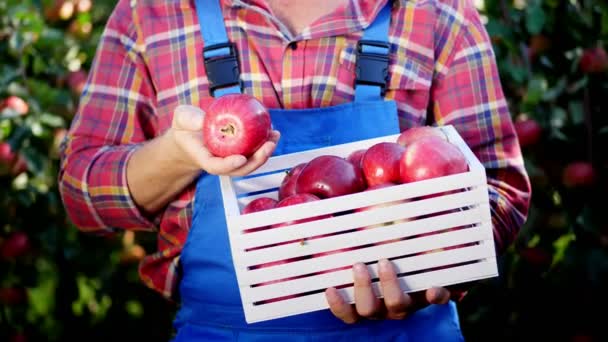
(329, 176)
(7, 155)
(15, 103)
(356, 156)
(236, 124)
(412, 134)
(528, 132)
(288, 185)
(594, 60)
(16, 245)
(579, 175)
(259, 204)
(380, 164)
(431, 157)
(12, 295)
(298, 199)
(18, 337)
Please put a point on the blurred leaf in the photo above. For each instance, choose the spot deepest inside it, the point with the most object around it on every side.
(577, 114)
(553, 93)
(558, 117)
(561, 246)
(536, 88)
(51, 120)
(578, 85)
(535, 19)
(134, 308)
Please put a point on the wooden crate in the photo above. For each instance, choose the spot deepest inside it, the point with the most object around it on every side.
(437, 232)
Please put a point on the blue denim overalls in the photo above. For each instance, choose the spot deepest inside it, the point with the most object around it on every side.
(210, 301)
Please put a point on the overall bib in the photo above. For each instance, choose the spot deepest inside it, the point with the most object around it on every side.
(210, 302)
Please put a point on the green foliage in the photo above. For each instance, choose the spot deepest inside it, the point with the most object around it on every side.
(79, 286)
(76, 286)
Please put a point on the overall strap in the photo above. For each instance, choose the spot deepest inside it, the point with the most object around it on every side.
(372, 58)
(219, 54)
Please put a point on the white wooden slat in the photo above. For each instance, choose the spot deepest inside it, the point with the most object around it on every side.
(355, 220)
(357, 200)
(337, 278)
(353, 239)
(231, 207)
(413, 283)
(332, 261)
(261, 183)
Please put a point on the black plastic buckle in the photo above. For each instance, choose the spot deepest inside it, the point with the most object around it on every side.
(222, 71)
(372, 68)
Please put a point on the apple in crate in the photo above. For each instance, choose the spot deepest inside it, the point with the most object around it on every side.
(431, 157)
(356, 156)
(259, 204)
(412, 134)
(288, 185)
(236, 124)
(380, 163)
(329, 176)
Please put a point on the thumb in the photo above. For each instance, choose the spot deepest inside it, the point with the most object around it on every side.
(187, 117)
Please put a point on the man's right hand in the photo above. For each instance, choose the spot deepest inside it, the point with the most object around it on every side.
(161, 168)
(187, 133)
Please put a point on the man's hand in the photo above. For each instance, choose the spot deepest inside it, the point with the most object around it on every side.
(187, 134)
(395, 303)
(162, 167)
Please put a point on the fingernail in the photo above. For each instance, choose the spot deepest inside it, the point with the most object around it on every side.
(384, 265)
(359, 268)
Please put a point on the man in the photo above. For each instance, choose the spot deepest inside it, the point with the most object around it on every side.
(134, 158)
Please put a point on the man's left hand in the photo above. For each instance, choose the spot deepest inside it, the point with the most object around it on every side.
(394, 304)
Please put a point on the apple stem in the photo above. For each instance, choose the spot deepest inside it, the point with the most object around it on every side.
(228, 129)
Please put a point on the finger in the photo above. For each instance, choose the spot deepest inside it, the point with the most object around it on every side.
(394, 298)
(339, 307)
(438, 295)
(256, 160)
(366, 302)
(221, 166)
(189, 118)
(274, 136)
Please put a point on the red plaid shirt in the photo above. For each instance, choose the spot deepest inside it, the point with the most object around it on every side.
(442, 71)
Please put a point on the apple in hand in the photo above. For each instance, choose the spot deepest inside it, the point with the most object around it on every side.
(380, 164)
(412, 134)
(329, 176)
(236, 124)
(288, 185)
(431, 157)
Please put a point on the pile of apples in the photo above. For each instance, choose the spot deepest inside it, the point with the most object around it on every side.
(419, 153)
